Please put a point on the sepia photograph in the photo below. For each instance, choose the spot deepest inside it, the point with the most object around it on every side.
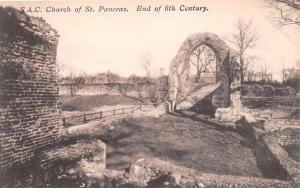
(150, 94)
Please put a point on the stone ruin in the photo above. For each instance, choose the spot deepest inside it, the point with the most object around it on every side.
(29, 102)
(182, 95)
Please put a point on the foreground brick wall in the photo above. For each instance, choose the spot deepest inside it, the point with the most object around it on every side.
(29, 108)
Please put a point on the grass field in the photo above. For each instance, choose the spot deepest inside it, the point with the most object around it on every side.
(86, 103)
(184, 142)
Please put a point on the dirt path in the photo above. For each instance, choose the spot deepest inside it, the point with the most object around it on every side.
(182, 141)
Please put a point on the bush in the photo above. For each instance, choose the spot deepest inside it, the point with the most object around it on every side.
(293, 82)
(288, 91)
(279, 91)
(245, 90)
(285, 91)
(268, 91)
(257, 90)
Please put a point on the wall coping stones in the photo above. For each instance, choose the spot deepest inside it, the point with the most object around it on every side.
(13, 22)
(152, 165)
(290, 165)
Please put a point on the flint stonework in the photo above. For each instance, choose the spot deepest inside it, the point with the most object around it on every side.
(179, 72)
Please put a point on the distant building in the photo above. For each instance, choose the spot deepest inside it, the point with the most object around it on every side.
(293, 73)
(259, 76)
(161, 72)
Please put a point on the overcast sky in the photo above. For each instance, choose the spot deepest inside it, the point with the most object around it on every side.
(97, 42)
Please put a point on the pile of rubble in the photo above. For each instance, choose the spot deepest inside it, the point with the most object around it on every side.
(235, 112)
(263, 118)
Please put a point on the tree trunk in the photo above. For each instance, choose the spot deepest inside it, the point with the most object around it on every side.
(242, 69)
(71, 90)
(198, 76)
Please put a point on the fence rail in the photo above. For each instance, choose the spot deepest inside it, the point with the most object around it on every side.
(257, 101)
(86, 117)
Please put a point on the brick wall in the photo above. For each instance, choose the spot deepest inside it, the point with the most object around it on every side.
(29, 101)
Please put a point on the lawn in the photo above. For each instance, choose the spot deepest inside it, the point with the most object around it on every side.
(87, 103)
(184, 142)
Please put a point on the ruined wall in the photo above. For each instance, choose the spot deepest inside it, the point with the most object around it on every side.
(29, 108)
(162, 172)
(291, 166)
(289, 136)
(179, 84)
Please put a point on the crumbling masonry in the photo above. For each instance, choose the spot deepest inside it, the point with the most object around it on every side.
(181, 93)
(29, 101)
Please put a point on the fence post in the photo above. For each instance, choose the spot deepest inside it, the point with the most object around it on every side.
(64, 122)
(132, 109)
(101, 114)
(114, 113)
(140, 106)
(123, 111)
(84, 118)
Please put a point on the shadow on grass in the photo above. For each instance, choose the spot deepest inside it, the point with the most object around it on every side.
(204, 121)
(268, 165)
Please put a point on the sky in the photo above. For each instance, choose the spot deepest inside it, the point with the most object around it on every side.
(118, 42)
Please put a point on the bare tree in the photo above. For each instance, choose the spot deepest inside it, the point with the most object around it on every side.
(248, 66)
(264, 69)
(139, 83)
(244, 39)
(287, 11)
(111, 78)
(58, 71)
(283, 72)
(147, 65)
(202, 58)
(76, 81)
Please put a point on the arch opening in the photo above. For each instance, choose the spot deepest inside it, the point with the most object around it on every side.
(201, 68)
(204, 68)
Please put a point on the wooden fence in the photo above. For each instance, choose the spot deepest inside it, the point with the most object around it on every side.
(86, 117)
(271, 101)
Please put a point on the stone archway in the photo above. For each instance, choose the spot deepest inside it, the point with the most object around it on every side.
(179, 71)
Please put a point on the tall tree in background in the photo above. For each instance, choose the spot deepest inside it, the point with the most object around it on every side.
(264, 69)
(244, 39)
(111, 77)
(286, 12)
(202, 58)
(147, 65)
(75, 82)
(249, 62)
(58, 72)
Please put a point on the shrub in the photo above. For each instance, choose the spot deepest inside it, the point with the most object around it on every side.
(288, 91)
(268, 91)
(257, 90)
(279, 91)
(293, 82)
(245, 90)
(285, 91)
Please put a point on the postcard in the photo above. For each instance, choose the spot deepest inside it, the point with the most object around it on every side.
(171, 93)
